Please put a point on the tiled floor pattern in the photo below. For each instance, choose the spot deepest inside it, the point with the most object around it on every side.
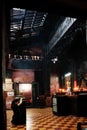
(44, 119)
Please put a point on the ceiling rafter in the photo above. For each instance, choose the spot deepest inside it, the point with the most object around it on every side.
(25, 23)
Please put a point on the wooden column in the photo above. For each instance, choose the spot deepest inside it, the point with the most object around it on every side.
(4, 41)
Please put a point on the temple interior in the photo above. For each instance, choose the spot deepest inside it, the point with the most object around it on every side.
(44, 62)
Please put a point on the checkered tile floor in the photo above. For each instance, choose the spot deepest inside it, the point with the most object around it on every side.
(44, 119)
